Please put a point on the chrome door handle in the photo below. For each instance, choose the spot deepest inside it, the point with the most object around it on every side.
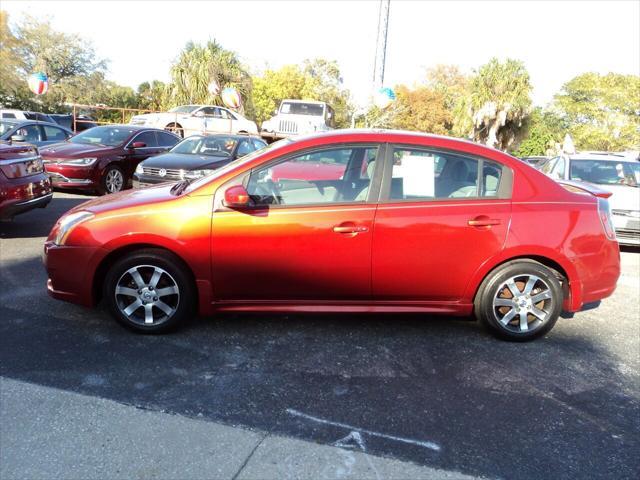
(483, 221)
(349, 229)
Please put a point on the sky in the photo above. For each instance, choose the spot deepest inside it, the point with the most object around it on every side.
(556, 40)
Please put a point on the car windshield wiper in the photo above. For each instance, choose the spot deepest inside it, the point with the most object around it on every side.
(180, 187)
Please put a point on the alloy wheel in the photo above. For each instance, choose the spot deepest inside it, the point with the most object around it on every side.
(147, 295)
(114, 180)
(523, 303)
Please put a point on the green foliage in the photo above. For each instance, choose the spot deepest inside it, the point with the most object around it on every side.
(603, 111)
(545, 132)
(317, 79)
(197, 66)
(422, 109)
(152, 96)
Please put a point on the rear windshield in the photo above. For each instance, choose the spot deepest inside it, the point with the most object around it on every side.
(602, 172)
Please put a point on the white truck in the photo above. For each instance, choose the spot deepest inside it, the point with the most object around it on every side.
(296, 117)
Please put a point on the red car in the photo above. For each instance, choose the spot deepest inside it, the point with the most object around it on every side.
(103, 158)
(412, 223)
(23, 183)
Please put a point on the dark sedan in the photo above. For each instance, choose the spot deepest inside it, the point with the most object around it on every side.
(104, 158)
(31, 131)
(195, 157)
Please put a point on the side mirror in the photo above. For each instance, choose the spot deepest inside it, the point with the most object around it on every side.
(138, 145)
(18, 138)
(237, 197)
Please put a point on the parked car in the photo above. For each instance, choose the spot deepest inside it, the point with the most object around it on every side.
(23, 183)
(30, 131)
(187, 120)
(103, 158)
(13, 114)
(414, 223)
(195, 157)
(296, 117)
(535, 160)
(83, 122)
(617, 173)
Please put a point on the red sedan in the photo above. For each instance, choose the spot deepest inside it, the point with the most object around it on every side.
(23, 183)
(405, 223)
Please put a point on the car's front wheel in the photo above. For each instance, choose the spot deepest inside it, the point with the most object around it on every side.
(520, 301)
(149, 291)
(113, 180)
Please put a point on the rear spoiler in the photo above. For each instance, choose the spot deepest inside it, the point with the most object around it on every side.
(585, 188)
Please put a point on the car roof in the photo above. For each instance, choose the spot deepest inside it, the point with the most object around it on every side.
(604, 156)
(292, 100)
(235, 136)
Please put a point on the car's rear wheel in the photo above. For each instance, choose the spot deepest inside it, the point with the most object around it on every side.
(520, 301)
(113, 179)
(175, 128)
(149, 291)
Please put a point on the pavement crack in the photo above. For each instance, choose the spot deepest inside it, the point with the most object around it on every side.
(246, 460)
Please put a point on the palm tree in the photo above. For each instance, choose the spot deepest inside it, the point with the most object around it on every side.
(197, 66)
(499, 102)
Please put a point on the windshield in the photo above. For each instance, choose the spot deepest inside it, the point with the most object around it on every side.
(317, 110)
(5, 127)
(184, 109)
(603, 172)
(237, 163)
(214, 146)
(104, 136)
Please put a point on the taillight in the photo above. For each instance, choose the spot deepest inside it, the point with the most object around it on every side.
(604, 212)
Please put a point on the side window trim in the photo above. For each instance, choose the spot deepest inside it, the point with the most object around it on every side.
(504, 190)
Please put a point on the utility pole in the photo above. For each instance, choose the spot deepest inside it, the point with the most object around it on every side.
(381, 45)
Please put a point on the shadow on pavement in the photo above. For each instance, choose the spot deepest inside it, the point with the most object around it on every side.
(556, 408)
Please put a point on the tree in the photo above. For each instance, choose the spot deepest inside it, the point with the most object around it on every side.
(10, 80)
(603, 111)
(545, 131)
(423, 109)
(497, 103)
(152, 96)
(197, 66)
(317, 79)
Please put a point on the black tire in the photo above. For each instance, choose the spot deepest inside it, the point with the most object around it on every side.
(506, 321)
(175, 128)
(147, 262)
(107, 184)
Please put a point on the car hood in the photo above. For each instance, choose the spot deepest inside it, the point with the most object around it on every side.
(185, 161)
(73, 150)
(127, 199)
(624, 197)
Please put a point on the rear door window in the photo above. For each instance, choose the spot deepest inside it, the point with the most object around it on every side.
(166, 140)
(54, 133)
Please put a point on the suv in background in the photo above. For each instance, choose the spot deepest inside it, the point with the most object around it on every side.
(25, 115)
(295, 117)
(617, 172)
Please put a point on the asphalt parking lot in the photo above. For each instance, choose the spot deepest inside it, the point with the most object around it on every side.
(435, 391)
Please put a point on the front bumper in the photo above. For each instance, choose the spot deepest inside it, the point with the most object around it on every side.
(23, 194)
(627, 229)
(75, 284)
(70, 177)
(141, 180)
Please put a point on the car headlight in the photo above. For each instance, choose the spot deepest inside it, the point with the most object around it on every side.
(80, 162)
(193, 174)
(68, 223)
(139, 169)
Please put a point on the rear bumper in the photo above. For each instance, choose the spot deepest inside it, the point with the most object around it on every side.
(23, 194)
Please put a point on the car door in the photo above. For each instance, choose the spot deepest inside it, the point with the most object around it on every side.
(217, 120)
(136, 155)
(308, 235)
(441, 216)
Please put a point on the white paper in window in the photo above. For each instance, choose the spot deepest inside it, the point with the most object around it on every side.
(417, 173)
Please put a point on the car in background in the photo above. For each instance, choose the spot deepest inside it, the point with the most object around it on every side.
(187, 120)
(13, 114)
(298, 117)
(23, 183)
(535, 160)
(31, 131)
(415, 223)
(82, 123)
(103, 158)
(617, 173)
(195, 157)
